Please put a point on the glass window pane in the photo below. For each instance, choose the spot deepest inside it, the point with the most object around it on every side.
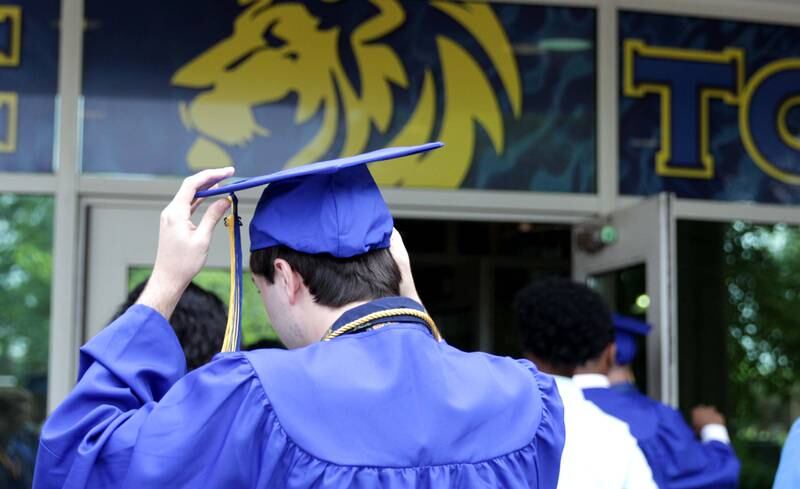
(190, 83)
(739, 304)
(625, 293)
(743, 159)
(28, 84)
(26, 242)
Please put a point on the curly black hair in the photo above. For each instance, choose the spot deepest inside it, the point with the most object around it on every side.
(199, 322)
(562, 322)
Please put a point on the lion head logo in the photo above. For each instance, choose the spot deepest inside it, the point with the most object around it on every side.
(345, 76)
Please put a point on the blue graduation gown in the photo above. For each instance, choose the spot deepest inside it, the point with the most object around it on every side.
(788, 476)
(678, 459)
(390, 407)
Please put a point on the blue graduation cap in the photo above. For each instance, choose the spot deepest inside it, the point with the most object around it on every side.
(332, 207)
(627, 329)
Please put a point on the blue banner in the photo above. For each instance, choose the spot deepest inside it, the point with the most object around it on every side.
(173, 87)
(28, 84)
(709, 109)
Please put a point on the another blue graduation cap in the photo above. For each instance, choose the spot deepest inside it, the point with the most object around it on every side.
(627, 329)
(332, 207)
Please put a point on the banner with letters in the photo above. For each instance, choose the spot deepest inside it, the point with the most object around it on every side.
(709, 109)
(174, 87)
(28, 84)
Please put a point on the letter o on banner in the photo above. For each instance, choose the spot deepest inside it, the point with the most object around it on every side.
(765, 104)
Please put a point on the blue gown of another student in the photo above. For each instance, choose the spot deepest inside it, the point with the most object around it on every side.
(788, 476)
(678, 459)
(389, 407)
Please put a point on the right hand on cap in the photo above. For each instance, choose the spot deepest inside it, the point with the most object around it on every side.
(182, 245)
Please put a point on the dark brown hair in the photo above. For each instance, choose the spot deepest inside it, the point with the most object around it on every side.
(335, 282)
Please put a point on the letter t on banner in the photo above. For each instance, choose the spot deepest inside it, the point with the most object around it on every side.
(686, 80)
(10, 48)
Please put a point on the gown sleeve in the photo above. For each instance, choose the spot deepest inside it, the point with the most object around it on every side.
(689, 463)
(135, 420)
(551, 433)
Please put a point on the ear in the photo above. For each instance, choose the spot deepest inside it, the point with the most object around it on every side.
(290, 281)
(609, 357)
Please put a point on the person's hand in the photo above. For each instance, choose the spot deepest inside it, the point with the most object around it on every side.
(706, 415)
(182, 245)
(400, 255)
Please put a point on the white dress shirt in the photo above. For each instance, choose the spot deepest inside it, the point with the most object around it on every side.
(599, 451)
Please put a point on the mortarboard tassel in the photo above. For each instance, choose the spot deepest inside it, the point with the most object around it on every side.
(233, 330)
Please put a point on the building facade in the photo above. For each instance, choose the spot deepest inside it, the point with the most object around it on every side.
(649, 148)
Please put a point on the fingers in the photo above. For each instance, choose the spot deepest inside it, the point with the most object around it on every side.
(212, 216)
(199, 181)
(199, 201)
(196, 204)
(703, 415)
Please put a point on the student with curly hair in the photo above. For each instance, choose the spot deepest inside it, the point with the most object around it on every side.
(198, 321)
(562, 326)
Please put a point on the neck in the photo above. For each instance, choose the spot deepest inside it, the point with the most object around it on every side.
(599, 365)
(621, 374)
(322, 318)
(590, 369)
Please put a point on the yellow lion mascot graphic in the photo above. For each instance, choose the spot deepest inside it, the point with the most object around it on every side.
(280, 49)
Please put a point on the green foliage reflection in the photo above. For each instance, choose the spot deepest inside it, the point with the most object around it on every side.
(762, 266)
(255, 323)
(26, 243)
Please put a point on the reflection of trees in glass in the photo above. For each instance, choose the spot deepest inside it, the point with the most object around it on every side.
(255, 323)
(26, 242)
(762, 280)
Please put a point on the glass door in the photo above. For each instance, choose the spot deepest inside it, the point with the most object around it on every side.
(121, 246)
(629, 258)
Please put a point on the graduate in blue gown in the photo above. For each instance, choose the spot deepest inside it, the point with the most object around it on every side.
(368, 395)
(788, 475)
(679, 459)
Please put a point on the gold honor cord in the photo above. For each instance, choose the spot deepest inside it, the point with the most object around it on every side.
(231, 341)
(387, 314)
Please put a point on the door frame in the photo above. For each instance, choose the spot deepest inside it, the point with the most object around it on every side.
(655, 247)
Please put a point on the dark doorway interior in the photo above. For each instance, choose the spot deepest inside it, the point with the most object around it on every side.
(468, 272)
